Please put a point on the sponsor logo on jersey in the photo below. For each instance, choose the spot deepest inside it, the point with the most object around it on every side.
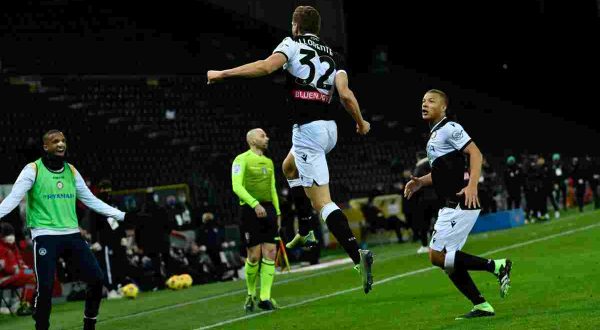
(457, 135)
(236, 168)
(311, 96)
(58, 196)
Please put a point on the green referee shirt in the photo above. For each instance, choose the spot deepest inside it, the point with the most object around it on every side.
(253, 180)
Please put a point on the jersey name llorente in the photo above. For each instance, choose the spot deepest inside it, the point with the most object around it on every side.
(310, 69)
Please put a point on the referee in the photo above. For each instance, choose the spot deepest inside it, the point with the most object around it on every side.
(253, 179)
(52, 186)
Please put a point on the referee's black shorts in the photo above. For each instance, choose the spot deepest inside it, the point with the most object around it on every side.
(258, 230)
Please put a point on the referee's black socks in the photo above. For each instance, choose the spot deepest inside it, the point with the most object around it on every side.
(338, 225)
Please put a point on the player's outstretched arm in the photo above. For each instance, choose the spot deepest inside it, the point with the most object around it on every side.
(350, 102)
(94, 203)
(250, 70)
(24, 182)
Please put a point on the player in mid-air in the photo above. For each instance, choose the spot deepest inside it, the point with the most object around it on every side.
(448, 142)
(314, 72)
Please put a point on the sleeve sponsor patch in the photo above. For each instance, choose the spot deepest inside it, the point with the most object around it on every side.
(457, 135)
(236, 169)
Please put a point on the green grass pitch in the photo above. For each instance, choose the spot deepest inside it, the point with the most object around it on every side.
(555, 285)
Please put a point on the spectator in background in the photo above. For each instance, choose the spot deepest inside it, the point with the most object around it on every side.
(106, 242)
(286, 230)
(513, 180)
(425, 204)
(135, 271)
(579, 176)
(180, 213)
(152, 238)
(594, 179)
(82, 211)
(13, 270)
(530, 191)
(15, 220)
(486, 188)
(210, 235)
(376, 220)
(559, 186)
(547, 178)
(539, 177)
(408, 205)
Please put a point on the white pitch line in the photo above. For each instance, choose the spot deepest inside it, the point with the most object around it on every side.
(295, 279)
(242, 291)
(395, 277)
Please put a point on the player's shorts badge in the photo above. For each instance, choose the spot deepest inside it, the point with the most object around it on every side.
(42, 252)
(59, 185)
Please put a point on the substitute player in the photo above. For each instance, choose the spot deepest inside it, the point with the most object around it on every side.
(52, 186)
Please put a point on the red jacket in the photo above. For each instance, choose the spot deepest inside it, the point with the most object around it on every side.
(10, 259)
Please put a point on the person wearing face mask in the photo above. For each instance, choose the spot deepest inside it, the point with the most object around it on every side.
(53, 186)
(13, 270)
(210, 238)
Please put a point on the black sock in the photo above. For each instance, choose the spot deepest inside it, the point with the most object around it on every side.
(303, 209)
(89, 324)
(464, 283)
(338, 225)
(303, 225)
(470, 262)
(42, 326)
(93, 296)
(423, 237)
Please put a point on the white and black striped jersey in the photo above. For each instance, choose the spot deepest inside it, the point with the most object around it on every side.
(447, 141)
(310, 77)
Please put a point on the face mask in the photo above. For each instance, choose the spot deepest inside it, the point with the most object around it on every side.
(10, 239)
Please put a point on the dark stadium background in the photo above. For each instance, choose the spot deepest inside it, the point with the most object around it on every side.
(521, 76)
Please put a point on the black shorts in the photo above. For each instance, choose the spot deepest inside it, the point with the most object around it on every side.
(258, 230)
